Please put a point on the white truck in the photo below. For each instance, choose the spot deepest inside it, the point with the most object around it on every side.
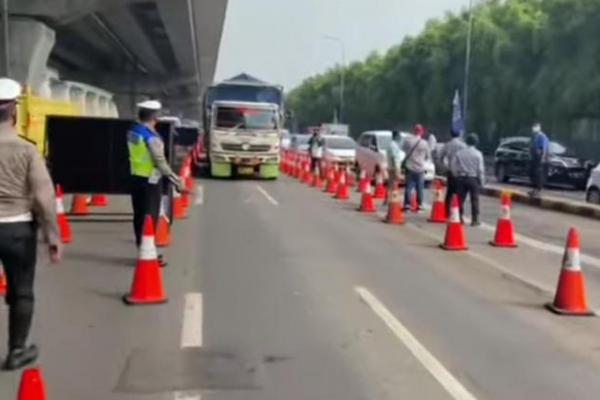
(244, 139)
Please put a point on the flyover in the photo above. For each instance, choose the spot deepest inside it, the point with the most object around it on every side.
(132, 48)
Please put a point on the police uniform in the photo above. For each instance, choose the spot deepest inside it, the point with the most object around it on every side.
(468, 169)
(148, 165)
(27, 202)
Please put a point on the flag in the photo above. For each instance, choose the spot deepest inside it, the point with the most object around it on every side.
(458, 123)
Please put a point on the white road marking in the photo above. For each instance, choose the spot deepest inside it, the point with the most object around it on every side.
(267, 195)
(456, 390)
(191, 334)
(199, 196)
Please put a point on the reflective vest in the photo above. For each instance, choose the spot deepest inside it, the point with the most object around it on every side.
(140, 159)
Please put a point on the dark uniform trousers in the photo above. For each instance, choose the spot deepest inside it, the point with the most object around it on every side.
(18, 253)
(468, 185)
(145, 200)
(450, 191)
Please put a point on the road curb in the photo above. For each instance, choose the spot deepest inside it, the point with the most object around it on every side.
(548, 203)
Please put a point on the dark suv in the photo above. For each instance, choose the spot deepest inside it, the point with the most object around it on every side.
(512, 160)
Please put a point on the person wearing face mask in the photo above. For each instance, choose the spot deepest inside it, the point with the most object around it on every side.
(539, 159)
(148, 165)
(27, 202)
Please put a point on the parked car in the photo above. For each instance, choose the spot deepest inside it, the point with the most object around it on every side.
(371, 153)
(592, 194)
(512, 160)
(339, 150)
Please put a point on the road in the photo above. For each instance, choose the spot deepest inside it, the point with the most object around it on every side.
(276, 291)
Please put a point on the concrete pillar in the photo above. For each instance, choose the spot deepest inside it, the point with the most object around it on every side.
(30, 43)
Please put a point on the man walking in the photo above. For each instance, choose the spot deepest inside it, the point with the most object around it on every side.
(394, 161)
(539, 159)
(26, 202)
(418, 154)
(446, 156)
(468, 170)
(315, 148)
(148, 165)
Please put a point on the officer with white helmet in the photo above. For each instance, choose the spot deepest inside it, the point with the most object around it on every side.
(26, 202)
(148, 165)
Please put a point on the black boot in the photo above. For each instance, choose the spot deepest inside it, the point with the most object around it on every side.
(18, 358)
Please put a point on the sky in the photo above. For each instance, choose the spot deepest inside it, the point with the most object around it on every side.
(283, 41)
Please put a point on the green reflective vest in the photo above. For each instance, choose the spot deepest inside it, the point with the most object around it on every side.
(140, 159)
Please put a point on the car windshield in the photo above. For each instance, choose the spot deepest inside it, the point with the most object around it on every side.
(557, 148)
(383, 142)
(342, 143)
(245, 118)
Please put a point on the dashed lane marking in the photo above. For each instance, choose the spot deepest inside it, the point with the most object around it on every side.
(267, 195)
(454, 388)
(191, 333)
(199, 196)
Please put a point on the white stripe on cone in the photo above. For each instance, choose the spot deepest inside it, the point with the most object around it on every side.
(505, 212)
(572, 260)
(60, 208)
(148, 249)
(454, 215)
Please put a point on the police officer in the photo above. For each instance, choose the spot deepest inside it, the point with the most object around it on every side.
(468, 170)
(26, 202)
(148, 165)
(539, 159)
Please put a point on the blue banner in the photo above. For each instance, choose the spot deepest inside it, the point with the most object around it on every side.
(458, 123)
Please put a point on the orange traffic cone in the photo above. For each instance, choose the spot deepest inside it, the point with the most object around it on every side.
(395, 214)
(32, 385)
(308, 177)
(99, 200)
(316, 180)
(332, 184)
(147, 286)
(343, 192)
(505, 232)
(363, 181)
(367, 203)
(63, 223)
(438, 209)
(570, 296)
(163, 229)
(3, 283)
(455, 234)
(379, 187)
(349, 176)
(79, 205)
(179, 210)
(414, 204)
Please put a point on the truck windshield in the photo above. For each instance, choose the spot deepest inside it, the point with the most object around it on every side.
(245, 118)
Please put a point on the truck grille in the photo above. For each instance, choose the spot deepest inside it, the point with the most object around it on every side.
(255, 148)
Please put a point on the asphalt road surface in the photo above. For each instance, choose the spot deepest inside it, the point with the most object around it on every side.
(276, 291)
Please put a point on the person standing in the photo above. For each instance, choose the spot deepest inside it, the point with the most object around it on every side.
(446, 156)
(148, 165)
(468, 170)
(315, 148)
(418, 154)
(394, 161)
(539, 159)
(27, 201)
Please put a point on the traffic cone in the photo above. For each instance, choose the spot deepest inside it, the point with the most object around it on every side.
(147, 286)
(438, 209)
(455, 234)
(363, 181)
(63, 223)
(32, 385)
(379, 187)
(99, 200)
(349, 176)
(79, 205)
(163, 228)
(308, 177)
(414, 204)
(367, 204)
(505, 232)
(395, 215)
(343, 192)
(179, 210)
(570, 296)
(331, 182)
(3, 283)
(317, 181)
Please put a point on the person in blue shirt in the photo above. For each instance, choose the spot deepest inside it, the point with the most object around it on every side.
(539, 159)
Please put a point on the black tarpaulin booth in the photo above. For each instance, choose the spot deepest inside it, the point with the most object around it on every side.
(90, 155)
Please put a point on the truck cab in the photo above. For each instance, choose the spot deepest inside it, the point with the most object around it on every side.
(244, 139)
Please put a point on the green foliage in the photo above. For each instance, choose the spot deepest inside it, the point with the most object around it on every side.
(531, 59)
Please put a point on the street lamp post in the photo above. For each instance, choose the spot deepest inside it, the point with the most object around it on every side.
(467, 66)
(342, 73)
